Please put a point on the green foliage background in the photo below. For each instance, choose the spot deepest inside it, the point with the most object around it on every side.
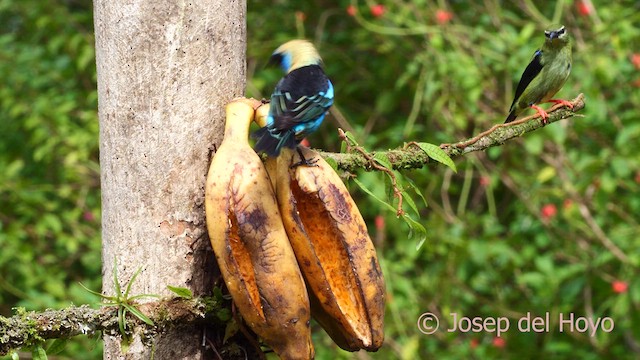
(547, 223)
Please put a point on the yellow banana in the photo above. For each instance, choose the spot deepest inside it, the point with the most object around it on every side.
(334, 251)
(250, 242)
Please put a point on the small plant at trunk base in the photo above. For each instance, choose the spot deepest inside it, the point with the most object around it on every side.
(124, 302)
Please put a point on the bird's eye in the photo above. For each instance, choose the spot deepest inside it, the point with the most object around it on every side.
(561, 31)
(547, 33)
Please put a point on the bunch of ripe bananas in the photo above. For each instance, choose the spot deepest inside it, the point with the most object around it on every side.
(276, 228)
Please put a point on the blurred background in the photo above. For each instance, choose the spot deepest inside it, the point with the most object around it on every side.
(546, 223)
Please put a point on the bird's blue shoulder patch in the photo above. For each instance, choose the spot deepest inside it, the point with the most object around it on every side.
(329, 93)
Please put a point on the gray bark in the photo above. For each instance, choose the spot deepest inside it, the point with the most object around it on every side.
(166, 70)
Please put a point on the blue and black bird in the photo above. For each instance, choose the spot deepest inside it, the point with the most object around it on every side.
(300, 100)
(544, 76)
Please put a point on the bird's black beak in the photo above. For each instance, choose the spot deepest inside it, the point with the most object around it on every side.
(275, 60)
(554, 34)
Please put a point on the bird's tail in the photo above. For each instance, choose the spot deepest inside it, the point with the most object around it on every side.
(512, 116)
(270, 143)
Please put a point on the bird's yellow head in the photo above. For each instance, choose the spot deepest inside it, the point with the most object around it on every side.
(295, 54)
(556, 35)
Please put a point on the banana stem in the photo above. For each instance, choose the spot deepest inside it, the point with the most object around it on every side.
(239, 110)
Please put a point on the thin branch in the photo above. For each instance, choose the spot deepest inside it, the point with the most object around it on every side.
(415, 158)
(600, 234)
(371, 161)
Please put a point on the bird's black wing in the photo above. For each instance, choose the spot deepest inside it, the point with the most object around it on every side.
(300, 97)
(532, 70)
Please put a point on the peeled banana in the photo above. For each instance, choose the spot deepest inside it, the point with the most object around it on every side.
(250, 242)
(333, 248)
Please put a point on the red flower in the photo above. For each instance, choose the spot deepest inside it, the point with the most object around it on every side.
(379, 222)
(305, 143)
(619, 286)
(351, 10)
(485, 181)
(637, 178)
(474, 343)
(300, 15)
(88, 216)
(499, 342)
(583, 8)
(548, 211)
(443, 16)
(635, 60)
(377, 10)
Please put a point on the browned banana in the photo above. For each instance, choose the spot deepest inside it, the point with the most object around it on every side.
(251, 245)
(334, 251)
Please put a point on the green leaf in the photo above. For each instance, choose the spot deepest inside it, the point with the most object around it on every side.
(217, 293)
(85, 57)
(418, 232)
(133, 278)
(125, 344)
(116, 283)
(343, 147)
(231, 329)
(533, 279)
(547, 173)
(140, 296)
(121, 321)
(112, 298)
(38, 353)
(181, 292)
(57, 346)
(545, 265)
(364, 188)
(409, 200)
(388, 187)
(224, 314)
(351, 138)
(411, 349)
(382, 159)
(437, 154)
(134, 310)
(333, 163)
(621, 167)
(15, 356)
(415, 188)
(14, 168)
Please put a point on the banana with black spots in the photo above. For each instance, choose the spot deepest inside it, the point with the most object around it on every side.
(251, 245)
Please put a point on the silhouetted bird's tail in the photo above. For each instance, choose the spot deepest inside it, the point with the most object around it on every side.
(271, 144)
(512, 116)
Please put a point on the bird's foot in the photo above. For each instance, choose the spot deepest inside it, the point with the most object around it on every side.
(303, 161)
(543, 114)
(566, 103)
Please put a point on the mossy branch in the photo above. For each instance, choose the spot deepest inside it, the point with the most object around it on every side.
(30, 328)
(412, 157)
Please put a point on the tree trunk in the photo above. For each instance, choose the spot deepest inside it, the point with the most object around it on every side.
(166, 70)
